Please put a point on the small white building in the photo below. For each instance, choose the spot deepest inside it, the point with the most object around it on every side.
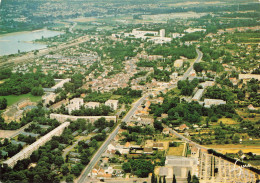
(178, 63)
(160, 40)
(191, 30)
(207, 84)
(210, 102)
(113, 104)
(162, 33)
(75, 104)
(177, 35)
(174, 76)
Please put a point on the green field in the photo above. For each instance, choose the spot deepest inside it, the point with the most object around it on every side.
(11, 99)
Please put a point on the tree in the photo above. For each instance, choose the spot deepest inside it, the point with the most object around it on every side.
(76, 170)
(160, 180)
(153, 178)
(235, 139)
(174, 179)
(3, 103)
(37, 179)
(69, 179)
(37, 91)
(127, 167)
(164, 179)
(59, 160)
(189, 177)
(64, 169)
(195, 179)
(198, 67)
(84, 158)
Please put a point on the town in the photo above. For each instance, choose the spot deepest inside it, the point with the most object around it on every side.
(132, 97)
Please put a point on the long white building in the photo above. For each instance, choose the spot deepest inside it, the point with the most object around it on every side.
(62, 118)
(26, 152)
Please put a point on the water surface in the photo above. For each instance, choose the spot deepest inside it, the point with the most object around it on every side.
(11, 43)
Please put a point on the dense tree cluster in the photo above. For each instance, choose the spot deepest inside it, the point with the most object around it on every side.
(37, 91)
(3, 103)
(75, 83)
(127, 94)
(139, 74)
(215, 92)
(97, 97)
(187, 86)
(193, 36)
(146, 63)
(161, 75)
(28, 139)
(5, 73)
(139, 167)
(10, 148)
(24, 83)
(172, 50)
(120, 50)
(103, 110)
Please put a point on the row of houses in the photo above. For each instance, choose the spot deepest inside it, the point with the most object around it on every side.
(76, 103)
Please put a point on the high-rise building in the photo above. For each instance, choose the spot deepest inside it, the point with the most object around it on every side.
(162, 33)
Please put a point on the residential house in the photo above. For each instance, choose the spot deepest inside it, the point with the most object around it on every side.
(75, 104)
(183, 127)
(178, 63)
(166, 131)
(210, 102)
(113, 104)
(251, 107)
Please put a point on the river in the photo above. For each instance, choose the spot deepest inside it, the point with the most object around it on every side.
(11, 43)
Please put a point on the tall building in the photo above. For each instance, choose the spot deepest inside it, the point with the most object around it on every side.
(162, 33)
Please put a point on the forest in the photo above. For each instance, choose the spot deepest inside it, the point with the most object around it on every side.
(19, 83)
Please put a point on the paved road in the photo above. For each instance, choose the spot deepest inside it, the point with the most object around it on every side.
(187, 140)
(67, 150)
(198, 59)
(84, 176)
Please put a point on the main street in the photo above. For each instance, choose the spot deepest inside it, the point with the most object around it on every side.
(84, 176)
(198, 59)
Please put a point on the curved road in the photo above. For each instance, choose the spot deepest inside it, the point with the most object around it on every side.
(84, 176)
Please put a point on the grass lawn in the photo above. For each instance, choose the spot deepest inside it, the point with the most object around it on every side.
(11, 99)
(115, 97)
(176, 151)
(228, 121)
(177, 91)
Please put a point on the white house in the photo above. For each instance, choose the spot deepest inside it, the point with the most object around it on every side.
(113, 104)
(75, 104)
